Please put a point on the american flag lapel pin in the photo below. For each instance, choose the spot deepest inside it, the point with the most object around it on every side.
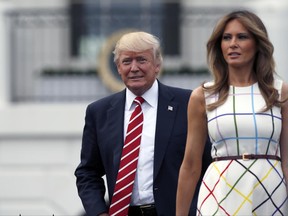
(170, 108)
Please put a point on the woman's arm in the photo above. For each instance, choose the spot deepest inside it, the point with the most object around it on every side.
(284, 134)
(192, 163)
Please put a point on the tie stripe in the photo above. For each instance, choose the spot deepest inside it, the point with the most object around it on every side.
(128, 163)
(133, 151)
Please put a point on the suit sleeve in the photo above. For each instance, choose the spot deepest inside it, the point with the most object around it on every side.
(89, 173)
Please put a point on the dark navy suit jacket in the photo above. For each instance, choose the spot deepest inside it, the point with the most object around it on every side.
(102, 146)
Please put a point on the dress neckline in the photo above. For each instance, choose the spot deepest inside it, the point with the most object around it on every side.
(248, 86)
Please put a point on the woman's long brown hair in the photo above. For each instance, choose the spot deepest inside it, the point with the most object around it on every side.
(264, 65)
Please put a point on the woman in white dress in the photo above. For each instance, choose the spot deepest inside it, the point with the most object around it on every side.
(244, 110)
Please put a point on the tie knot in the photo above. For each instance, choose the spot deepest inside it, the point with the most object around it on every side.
(139, 100)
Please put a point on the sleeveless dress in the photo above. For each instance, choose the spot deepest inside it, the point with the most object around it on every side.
(244, 187)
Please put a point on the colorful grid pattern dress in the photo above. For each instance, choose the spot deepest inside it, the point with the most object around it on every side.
(244, 187)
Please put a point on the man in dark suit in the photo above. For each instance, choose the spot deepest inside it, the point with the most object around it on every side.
(138, 59)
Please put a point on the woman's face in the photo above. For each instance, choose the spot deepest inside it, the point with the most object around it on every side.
(238, 46)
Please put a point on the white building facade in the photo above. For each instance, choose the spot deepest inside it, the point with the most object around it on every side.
(40, 140)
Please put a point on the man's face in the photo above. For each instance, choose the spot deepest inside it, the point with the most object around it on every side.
(138, 70)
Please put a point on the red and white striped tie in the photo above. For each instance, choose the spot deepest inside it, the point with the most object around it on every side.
(128, 164)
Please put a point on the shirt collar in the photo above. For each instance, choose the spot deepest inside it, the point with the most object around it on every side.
(150, 96)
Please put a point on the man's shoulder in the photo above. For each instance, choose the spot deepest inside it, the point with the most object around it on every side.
(177, 93)
(107, 100)
(175, 88)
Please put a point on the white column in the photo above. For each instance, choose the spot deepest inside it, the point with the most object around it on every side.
(4, 56)
(278, 32)
(274, 15)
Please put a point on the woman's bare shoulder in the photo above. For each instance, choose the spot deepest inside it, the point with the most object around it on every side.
(284, 93)
(198, 93)
(285, 88)
(197, 99)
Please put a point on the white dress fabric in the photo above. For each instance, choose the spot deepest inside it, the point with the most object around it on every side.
(244, 187)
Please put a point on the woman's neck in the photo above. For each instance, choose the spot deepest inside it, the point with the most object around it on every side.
(241, 78)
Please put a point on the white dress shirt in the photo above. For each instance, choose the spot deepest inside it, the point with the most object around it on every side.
(143, 185)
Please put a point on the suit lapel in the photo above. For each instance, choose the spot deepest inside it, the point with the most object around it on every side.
(115, 124)
(166, 114)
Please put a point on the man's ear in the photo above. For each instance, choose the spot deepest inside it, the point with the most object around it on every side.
(158, 68)
(118, 68)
